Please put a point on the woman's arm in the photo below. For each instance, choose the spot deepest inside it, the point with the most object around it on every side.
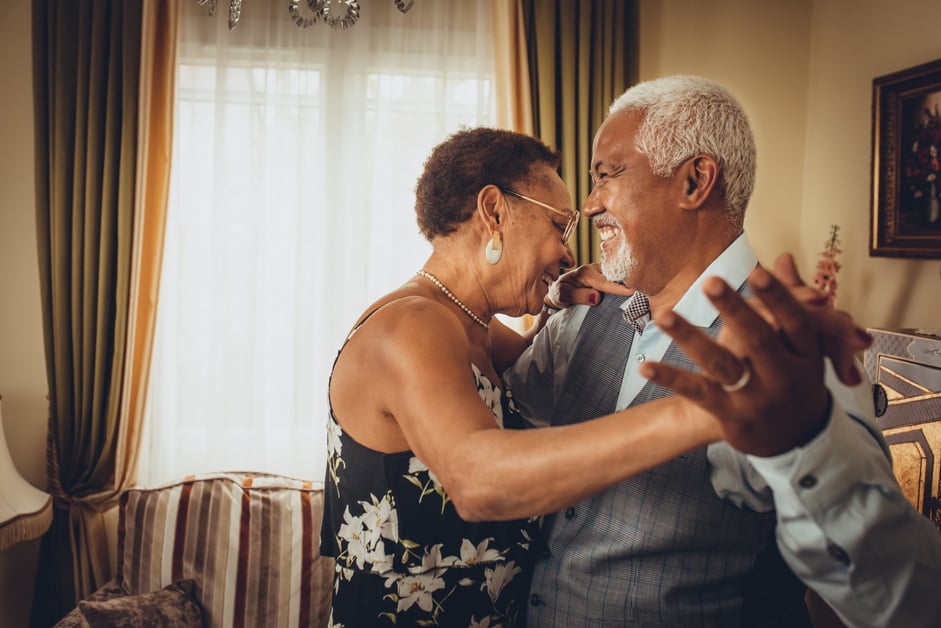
(495, 474)
(584, 285)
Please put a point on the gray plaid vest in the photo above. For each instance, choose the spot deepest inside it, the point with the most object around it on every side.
(658, 549)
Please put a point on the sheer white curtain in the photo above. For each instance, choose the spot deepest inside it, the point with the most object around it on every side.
(295, 159)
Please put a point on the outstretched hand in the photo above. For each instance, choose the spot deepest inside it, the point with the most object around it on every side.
(842, 338)
(584, 286)
(764, 377)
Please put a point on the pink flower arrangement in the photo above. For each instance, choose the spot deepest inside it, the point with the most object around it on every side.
(827, 266)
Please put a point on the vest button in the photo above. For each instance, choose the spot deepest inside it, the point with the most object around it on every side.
(535, 600)
(808, 481)
(570, 512)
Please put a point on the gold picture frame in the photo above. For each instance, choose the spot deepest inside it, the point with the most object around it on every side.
(906, 163)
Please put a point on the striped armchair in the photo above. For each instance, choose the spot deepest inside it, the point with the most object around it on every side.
(248, 542)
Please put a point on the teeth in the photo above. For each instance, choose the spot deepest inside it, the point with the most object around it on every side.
(606, 232)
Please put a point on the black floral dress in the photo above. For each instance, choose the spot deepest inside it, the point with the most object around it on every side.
(403, 555)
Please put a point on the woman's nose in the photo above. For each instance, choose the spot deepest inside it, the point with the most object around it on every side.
(568, 260)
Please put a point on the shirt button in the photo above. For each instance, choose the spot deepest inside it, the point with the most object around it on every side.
(808, 481)
(641, 358)
(535, 600)
(838, 553)
(570, 512)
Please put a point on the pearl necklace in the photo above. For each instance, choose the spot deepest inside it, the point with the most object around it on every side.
(451, 296)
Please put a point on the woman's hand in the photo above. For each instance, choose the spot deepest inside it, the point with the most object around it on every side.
(842, 338)
(583, 286)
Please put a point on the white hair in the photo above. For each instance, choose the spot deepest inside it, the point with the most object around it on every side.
(685, 116)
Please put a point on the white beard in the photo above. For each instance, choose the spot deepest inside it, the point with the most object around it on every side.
(617, 267)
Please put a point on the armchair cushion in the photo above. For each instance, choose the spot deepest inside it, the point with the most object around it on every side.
(250, 542)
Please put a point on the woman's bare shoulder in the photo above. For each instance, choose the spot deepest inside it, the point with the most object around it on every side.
(406, 321)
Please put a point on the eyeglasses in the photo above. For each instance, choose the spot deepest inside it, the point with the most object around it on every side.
(570, 215)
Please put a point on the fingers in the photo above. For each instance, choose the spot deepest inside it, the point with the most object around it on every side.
(613, 287)
(688, 384)
(715, 360)
(842, 340)
(840, 327)
(793, 318)
(785, 269)
(591, 275)
(844, 362)
(569, 294)
(746, 328)
(584, 286)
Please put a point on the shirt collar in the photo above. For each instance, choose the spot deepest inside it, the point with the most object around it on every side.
(733, 265)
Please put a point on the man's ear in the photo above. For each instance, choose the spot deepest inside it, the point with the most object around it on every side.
(491, 208)
(699, 177)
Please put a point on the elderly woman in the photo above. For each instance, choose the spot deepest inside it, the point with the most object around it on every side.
(429, 501)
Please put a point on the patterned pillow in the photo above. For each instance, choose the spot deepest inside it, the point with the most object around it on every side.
(173, 605)
(75, 619)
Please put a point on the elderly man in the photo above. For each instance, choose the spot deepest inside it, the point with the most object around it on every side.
(802, 487)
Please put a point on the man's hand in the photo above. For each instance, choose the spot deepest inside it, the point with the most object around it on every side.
(583, 286)
(762, 380)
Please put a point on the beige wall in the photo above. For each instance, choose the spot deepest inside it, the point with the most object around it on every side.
(852, 42)
(760, 51)
(22, 363)
(803, 70)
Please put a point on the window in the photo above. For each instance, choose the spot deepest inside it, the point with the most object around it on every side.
(296, 153)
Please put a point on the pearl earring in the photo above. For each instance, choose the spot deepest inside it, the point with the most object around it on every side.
(494, 249)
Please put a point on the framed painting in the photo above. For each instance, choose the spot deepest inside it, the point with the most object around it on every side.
(906, 163)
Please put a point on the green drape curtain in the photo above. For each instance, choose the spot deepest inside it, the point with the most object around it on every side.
(85, 65)
(582, 55)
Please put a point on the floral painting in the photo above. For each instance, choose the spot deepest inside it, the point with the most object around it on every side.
(906, 158)
(921, 142)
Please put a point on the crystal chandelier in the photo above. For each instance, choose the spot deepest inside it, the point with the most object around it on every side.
(337, 14)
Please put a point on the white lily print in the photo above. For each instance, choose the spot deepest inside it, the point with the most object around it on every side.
(432, 561)
(380, 519)
(471, 554)
(490, 394)
(353, 532)
(418, 589)
(415, 468)
(498, 577)
(334, 443)
(334, 451)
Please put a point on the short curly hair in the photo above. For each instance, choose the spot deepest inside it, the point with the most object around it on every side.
(459, 167)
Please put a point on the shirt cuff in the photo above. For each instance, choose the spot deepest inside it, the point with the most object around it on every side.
(811, 478)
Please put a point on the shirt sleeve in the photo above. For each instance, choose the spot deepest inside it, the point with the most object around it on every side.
(844, 525)
(538, 375)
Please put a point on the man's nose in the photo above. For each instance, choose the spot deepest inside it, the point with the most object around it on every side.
(592, 205)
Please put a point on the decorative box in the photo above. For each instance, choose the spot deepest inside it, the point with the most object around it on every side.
(905, 368)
